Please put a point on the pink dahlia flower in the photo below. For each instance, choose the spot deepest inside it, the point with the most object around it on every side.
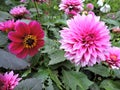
(19, 12)
(26, 39)
(84, 42)
(113, 57)
(71, 7)
(90, 6)
(7, 26)
(9, 81)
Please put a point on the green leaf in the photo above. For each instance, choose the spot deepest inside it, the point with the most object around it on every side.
(113, 22)
(54, 77)
(3, 39)
(30, 84)
(50, 85)
(57, 57)
(35, 59)
(100, 70)
(4, 16)
(9, 61)
(94, 87)
(74, 79)
(116, 73)
(42, 74)
(50, 46)
(110, 85)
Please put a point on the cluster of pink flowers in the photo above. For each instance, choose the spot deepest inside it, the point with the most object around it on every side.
(84, 42)
(26, 39)
(71, 7)
(7, 25)
(19, 12)
(9, 81)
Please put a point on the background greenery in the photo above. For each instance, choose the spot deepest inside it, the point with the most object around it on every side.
(49, 69)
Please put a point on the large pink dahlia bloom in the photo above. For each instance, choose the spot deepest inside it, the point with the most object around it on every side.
(7, 26)
(26, 39)
(71, 7)
(8, 81)
(19, 12)
(85, 40)
(113, 57)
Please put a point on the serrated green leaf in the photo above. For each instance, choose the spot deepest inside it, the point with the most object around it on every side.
(100, 70)
(30, 84)
(74, 79)
(54, 77)
(50, 85)
(42, 74)
(57, 57)
(9, 61)
(110, 85)
(50, 46)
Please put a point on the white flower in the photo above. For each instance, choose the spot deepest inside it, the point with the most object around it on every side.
(106, 8)
(100, 2)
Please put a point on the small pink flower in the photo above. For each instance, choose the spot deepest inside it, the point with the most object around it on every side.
(71, 7)
(113, 57)
(7, 26)
(84, 42)
(9, 81)
(90, 6)
(19, 12)
(26, 39)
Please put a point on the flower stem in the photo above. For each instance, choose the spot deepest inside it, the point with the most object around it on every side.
(36, 7)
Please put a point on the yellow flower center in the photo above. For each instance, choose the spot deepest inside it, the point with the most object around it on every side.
(30, 41)
(84, 13)
(113, 57)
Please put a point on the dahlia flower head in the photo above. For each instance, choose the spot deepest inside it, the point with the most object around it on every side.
(19, 12)
(71, 7)
(84, 42)
(113, 57)
(7, 26)
(26, 39)
(9, 81)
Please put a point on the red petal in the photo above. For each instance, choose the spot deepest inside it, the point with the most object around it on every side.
(40, 44)
(15, 37)
(33, 51)
(36, 28)
(23, 54)
(15, 48)
(22, 28)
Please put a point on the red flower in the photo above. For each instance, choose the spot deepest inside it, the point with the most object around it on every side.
(26, 39)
